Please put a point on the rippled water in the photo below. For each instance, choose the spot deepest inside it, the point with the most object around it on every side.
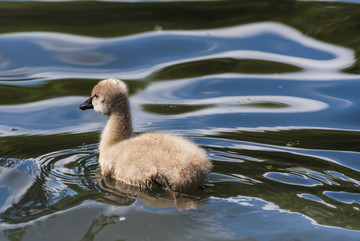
(268, 88)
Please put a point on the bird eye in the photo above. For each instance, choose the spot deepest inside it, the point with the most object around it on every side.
(96, 96)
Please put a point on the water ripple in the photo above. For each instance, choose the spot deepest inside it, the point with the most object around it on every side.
(344, 197)
(58, 115)
(60, 55)
(292, 179)
(70, 165)
(275, 110)
(315, 199)
(58, 177)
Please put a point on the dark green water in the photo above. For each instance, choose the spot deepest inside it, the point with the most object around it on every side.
(269, 88)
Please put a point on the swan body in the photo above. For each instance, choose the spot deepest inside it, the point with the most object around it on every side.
(146, 159)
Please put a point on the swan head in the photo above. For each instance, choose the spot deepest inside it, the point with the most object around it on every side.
(107, 96)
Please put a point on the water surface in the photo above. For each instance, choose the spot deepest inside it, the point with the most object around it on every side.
(269, 89)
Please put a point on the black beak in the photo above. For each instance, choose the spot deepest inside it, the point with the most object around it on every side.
(87, 104)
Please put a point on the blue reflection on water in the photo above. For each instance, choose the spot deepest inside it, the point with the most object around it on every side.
(61, 54)
(315, 97)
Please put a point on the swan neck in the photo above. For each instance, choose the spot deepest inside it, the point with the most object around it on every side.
(117, 129)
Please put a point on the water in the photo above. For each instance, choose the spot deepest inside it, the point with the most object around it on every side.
(268, 88)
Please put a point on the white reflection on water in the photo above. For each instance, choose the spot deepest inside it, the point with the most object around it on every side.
(61, 115)
(292, 179)
(87, 59)
(168, 94)
(52, 116)
(342, 57)
(140, 55)
(63, 42)
(137, 56)
(14, 183)
(344, 197)
(293, 225)
(315, 199)
(347, 159)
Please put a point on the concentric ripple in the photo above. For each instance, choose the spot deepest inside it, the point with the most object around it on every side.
(59, 179)
(72, 166)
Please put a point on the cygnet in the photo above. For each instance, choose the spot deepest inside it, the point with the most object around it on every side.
(145, 160)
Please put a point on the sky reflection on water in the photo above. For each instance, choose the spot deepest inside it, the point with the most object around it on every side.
(67, 55)
(273, 106)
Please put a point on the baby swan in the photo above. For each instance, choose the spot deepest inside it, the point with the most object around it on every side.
(146, 159)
